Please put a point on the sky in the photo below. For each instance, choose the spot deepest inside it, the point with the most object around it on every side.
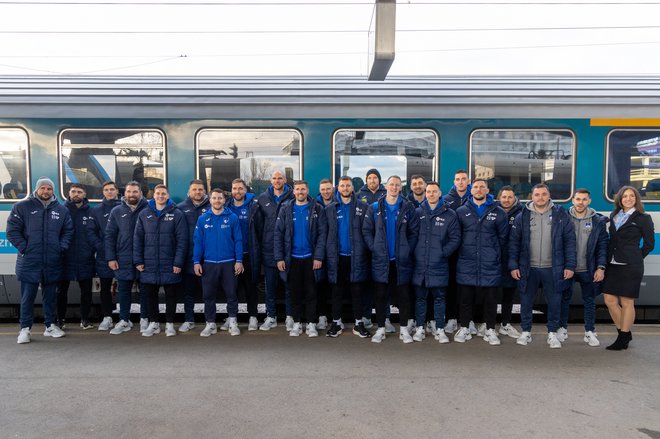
(314, 37)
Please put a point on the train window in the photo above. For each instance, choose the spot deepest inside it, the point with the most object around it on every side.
(523, 158)
(633, 159)
(91, 157)
(250, 154)
(391, 151)
(13, 164)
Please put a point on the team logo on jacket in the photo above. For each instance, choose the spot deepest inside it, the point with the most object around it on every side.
(124, 215)
(107, 214)
(208, 226)
(358, 211)
(169, 217)
(492, 216)
(587, 225)
(31, 213)
(204, 210)
(54, 215)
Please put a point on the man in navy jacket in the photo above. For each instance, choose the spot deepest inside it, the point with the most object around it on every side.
(119, 252)
(196, 204)
(78, 258)
(390, 230)
(347, 256)
(41, 230)
(96, 225)
(300, 237)
(325, 197)
(160, 246)
(591, 244)
(218, 259)
(542, 253)
(417, 193)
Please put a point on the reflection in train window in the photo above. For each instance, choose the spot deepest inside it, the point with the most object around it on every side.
(633, 159)
(393, 152)
(523, 158)
(250, 154)
(13, 164)
(91, 157)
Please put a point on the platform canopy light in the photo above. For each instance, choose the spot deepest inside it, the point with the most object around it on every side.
(381, 39)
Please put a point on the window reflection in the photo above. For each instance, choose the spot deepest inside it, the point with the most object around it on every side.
(13, 164)
(633, 159)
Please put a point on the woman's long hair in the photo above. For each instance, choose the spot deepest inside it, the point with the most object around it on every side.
(639, 207)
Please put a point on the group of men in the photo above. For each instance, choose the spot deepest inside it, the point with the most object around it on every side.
(462, 251)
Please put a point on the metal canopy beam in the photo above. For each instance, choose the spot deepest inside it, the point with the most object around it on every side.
(381, 44)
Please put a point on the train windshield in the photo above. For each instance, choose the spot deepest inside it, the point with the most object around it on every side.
(633, 159)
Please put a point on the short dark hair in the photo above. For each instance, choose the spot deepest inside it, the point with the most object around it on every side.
(506, 188)
(480, 179)
(346, 178)
(78, 186)
(300, 182)
(108, 183)
(195, 181)
(161, 186)
(541, 186)
(219, 191)
(461, 171)
(433, 183)
(417, 177)
(324, 181)
(133, 183)
(239, 180)
(582, 191)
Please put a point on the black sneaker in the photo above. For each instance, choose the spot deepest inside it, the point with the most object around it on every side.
(60, 323)
(86, 325)
(334, 330)
(361, 331)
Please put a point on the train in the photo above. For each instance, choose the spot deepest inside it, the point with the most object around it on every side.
(570, 132)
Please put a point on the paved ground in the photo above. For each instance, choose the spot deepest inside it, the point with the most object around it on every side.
(91, 384)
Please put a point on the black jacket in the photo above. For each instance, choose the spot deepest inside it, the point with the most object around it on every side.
(624, 243)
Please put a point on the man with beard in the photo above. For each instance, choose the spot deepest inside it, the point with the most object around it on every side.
(417, 193)
(325, 197)
(41, 229)
(372, 190)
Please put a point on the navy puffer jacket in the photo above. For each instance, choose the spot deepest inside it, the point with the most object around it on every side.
(507, 280)
(453, 200)
(359, 250)
(374, 231)
(119, 238)
(251, 242)
(564, 254)
(283, 239)
(366, 196)
(480, 253)
(79, 263)
(160, 243)
(265, 219)
(192, 213)
(40, 235)
(439, 237)
(97, 221)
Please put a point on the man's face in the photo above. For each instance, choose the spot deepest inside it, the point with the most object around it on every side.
(161, 196)
(196, 192)
(238, 191)
(433, 194)
(479, 190)
(581, 202)
(277, 180)
(373, 182)
(45, 192)
(345, 188)
(217, 200)
(301, 191)
(418, 186)
(461, 182)
(132, 195)
(326, 191)
(393, 187)
(77, 195)
(540, 198)
(507, 199)
(110, 192)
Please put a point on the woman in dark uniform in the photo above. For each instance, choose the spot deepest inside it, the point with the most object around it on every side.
(629, 226)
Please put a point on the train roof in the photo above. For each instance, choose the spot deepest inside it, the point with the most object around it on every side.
(346, 97)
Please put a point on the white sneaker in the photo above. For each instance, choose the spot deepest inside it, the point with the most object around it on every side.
(296, 329)
(562, 334)
(225, 325)
(509, 330)
(481, 329)
(368, 324)
(233, 327)
(404, 335)
(491, 337)
(106, 324)
(121, 327)
(431, 328)
(253, 324)
(379, 336)
(268, 324)
(472, 328)
(169, 330)
(23, 336)
(311, 330)
(525, 337)
(451, 326)
(209, 329)
(144, 324)
(590, 337)
(441, 336)
(553, 340)
(420, 334)
(389, 327)
(323, 323)
(153, 328)
(54, 331)
(289, 323)
(463, 335)
(186, 326)
(412, 326)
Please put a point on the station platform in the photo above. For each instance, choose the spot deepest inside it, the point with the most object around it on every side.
(90, 384)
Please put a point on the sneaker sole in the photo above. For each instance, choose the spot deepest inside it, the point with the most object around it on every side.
(361, 335)
(47, 334)
(375, 340)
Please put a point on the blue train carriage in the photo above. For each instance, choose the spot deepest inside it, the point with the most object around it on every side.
(569, 132)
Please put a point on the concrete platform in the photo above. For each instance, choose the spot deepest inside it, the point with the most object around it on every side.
(266, 384)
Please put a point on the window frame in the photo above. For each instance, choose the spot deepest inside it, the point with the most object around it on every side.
(563, 129)
(434, 170)
(607, 159)
(96, 129)
(28, 174)
(268, 129)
